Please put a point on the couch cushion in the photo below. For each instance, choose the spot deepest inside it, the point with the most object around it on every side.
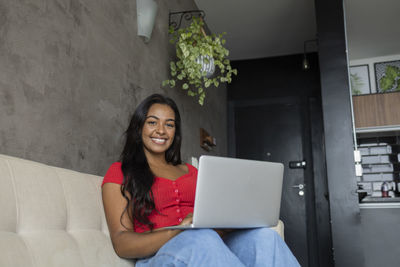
(52, 217)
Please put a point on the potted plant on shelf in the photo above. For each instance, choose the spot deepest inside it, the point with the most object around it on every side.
(201, 60)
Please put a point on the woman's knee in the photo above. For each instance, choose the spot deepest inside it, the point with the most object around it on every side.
(266, 232)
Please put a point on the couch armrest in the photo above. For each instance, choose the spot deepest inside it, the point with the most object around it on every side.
(280, 229)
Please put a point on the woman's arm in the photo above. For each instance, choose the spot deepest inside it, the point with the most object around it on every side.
(128, 244)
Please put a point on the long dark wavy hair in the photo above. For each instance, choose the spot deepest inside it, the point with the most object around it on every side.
(138, 178)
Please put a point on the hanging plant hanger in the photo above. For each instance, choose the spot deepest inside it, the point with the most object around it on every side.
(201, 59)
(187, 15)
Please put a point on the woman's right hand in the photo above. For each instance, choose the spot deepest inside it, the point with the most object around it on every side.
(187, 221)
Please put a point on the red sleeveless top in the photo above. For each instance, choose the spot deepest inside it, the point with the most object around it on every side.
(173, 199)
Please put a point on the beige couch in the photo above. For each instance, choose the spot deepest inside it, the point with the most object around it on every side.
(53, 217)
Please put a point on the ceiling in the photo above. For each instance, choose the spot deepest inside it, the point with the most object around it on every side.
(372, 28)
(268, 28)
(261, 28)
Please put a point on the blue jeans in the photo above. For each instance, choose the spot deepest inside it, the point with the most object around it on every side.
(204, 247)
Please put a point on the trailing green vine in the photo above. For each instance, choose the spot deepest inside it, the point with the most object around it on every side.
(192, 46)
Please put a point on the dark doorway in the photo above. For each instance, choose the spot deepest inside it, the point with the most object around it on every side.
(273, 131)
(268, 123)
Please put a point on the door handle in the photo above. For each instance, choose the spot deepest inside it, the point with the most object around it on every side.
(299, 186)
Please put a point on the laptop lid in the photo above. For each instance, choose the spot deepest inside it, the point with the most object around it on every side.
(237, 193)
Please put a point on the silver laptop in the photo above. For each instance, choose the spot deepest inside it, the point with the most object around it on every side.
(236, 193)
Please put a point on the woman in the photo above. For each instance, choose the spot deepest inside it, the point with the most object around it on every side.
(150, 189)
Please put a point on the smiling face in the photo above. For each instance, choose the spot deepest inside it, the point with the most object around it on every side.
(159, 129)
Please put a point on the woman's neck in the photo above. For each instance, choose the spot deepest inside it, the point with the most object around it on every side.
(156, 159)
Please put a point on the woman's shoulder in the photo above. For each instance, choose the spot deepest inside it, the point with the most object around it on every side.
(114, 174)
(189, 168)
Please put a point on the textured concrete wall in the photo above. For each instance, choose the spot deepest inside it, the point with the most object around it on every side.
(72, 72)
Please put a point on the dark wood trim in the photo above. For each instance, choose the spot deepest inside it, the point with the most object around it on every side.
(337, 117)
(377, 110)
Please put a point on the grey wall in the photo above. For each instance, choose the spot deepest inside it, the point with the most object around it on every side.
(380, 236)
(72, 72)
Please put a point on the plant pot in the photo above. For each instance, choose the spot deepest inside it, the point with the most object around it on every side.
(207, 65)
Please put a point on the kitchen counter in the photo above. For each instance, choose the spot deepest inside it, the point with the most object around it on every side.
(380, 202)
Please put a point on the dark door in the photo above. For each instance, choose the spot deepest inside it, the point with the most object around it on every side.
(274, 131)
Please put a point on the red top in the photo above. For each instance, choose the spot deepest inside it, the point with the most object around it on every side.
(173, 199)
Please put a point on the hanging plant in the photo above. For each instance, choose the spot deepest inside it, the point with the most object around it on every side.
(201, 60)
